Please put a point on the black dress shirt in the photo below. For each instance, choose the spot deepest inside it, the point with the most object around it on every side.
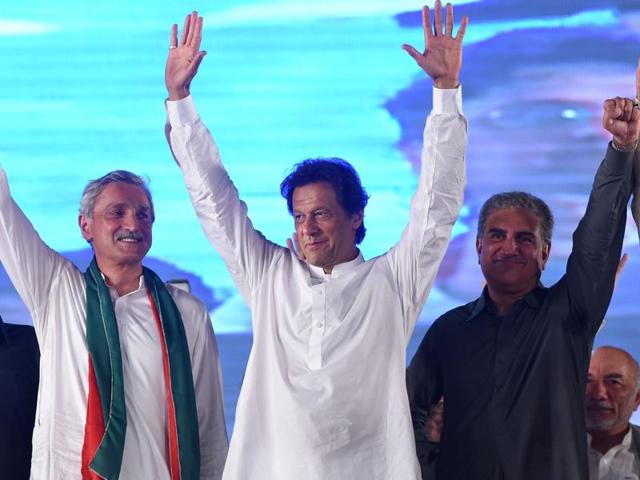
(19, 362)
(514, 385)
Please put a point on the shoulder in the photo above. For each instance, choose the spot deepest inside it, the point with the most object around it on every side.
(456, 315)
(192, 309)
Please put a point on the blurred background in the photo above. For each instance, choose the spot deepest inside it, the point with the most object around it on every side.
(82, 92)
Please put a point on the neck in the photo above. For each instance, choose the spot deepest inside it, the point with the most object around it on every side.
(124, 278)
(327, 269)
(603, 441)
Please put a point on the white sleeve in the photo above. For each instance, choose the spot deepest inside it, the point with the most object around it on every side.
(207, 383)
(434, 208)
(223, 216)
(31, 265)
(635, 203)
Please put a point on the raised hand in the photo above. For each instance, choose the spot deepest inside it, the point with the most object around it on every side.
(622, 119)
(294, 246)
(442, 57)
(638, 81)
(184, 58)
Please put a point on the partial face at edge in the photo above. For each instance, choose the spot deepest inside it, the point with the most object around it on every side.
(120, 229)
(326, 233)
(611, 396)
(511, 251)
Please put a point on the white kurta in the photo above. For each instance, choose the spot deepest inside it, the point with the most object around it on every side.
(54, 291)
(324, 393)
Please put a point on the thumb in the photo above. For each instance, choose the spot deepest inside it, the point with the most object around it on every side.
(415, 54)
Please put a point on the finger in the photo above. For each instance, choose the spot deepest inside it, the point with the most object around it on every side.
(635, 114)
(619, 129)
(197, 61)
(611, 109)
(426, 26)
(415, 54)
(298, 249)
(193, 21)
(638, 80)
(463, 28)
(449, 20)
(627, 105)
(622, 263)
(290, 246)
(173, 38)
(185, 30)
(198, 34)
(438, 15)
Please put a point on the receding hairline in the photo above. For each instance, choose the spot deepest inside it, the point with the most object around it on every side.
(629, 359)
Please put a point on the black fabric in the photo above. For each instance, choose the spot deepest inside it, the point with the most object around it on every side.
(19, 362)
(514, 386)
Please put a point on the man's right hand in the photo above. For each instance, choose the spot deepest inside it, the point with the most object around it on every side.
(622, 119)
(184, 58)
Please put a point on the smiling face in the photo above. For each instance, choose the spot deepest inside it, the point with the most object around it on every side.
(511, 251)
(611, 395)
(120, 226)
(326, 233)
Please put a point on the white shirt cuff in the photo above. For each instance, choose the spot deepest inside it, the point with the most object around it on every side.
(447, 101)
(182, 112)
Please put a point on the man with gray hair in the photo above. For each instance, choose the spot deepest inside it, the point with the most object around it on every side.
(130, 382)
(512, 364)
(613, 394)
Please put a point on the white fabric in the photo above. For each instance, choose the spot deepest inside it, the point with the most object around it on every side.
(618, 463)
(635, 203)
(324, 393)
(54, 291)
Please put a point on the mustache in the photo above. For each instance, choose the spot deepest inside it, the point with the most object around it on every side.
(129, 235)
(599, 405)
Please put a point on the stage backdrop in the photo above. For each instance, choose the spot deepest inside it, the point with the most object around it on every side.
(81, 93)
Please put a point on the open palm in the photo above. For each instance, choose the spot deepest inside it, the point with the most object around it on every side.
(184, 58)
(442, 57)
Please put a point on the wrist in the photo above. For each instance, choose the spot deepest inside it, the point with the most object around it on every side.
(622, 147)
(446, 83)
(177, 93)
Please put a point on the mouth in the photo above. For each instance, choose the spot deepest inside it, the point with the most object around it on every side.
(599, 409)
(315, 245)
(130, 237)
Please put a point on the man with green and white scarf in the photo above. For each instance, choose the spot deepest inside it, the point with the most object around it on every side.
(130, 382)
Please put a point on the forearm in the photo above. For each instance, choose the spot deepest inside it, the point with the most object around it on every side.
(222, 215)
(635, 205)
(597, 242)
(436, 203)
(30, 264)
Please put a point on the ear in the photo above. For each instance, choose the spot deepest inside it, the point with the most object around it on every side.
(85, 227)
(636, 401)
(544, 255)
(478, 247)
(357, 219)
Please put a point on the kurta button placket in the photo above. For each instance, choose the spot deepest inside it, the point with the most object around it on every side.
(318, 321)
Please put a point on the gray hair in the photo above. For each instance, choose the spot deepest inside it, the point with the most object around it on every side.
(522, 200)
(95, 187)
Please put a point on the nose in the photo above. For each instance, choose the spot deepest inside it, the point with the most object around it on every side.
(596, 391)
(131, 221)
(510, 245)
(309, 226)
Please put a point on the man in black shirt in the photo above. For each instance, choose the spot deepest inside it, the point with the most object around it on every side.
(19, 362)
(512, 365)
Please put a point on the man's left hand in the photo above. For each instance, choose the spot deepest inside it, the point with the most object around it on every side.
(442, 57)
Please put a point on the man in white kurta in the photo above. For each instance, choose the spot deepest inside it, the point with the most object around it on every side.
(324, 393)
(53, 290)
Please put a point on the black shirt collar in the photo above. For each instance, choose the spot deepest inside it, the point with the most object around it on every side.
(3, 338)
(533, 299)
